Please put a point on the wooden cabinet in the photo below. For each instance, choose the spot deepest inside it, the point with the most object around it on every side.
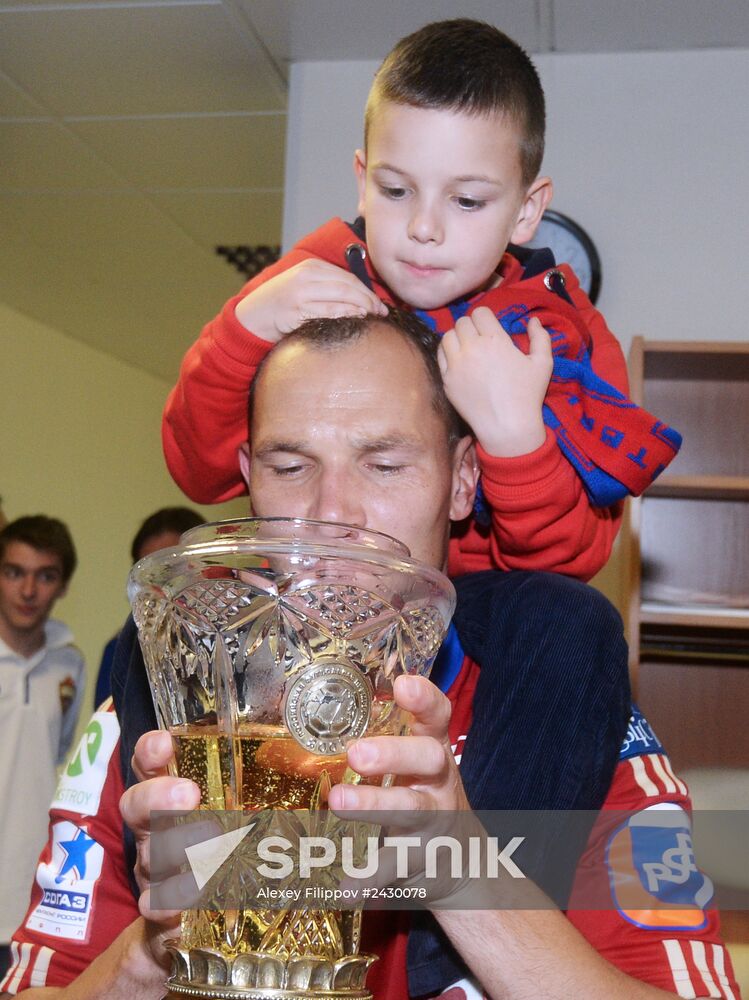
(688, 606)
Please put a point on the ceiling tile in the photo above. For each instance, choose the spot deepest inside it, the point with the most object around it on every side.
(216, 218)
(212, 152)
(125, 60)
(45, 155)
(107, 232)
(14, 103)
(133, 272)
(361, 29)
(113, 276)
(613, 26)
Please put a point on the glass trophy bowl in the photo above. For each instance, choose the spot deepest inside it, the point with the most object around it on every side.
(270, 644)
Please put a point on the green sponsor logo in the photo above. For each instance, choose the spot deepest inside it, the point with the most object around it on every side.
(87, 750)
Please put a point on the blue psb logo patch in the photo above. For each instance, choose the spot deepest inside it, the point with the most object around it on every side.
(654, 878)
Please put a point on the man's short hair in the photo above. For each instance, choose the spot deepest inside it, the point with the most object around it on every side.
(329, 334)
(46, 534)
(469, 66)
(176, 519)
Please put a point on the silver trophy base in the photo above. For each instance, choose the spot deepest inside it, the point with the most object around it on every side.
(205, 974)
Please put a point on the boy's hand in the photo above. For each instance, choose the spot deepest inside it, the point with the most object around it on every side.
(498, 390)
(312, 289)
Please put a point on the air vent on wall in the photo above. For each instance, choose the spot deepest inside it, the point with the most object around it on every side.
(249, 260)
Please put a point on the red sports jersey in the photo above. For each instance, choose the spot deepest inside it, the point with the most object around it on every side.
(82, 898)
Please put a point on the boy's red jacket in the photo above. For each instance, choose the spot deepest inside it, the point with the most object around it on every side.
(541, 516)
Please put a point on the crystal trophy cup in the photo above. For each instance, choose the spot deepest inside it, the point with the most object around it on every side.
(270, 644)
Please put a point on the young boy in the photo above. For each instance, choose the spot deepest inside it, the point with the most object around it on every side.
(449, 178)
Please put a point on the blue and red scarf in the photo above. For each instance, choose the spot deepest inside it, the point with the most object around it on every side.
(616, 447)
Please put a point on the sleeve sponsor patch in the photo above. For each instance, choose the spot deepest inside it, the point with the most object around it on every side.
(81, 782)
(654, 878)
(639, 738)
(67, 882)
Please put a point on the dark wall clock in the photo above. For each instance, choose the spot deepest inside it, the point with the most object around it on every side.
(571, 245)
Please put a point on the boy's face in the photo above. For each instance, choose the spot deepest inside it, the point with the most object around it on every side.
(442, 194)
(31, 581)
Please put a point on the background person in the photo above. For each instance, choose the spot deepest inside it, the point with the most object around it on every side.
(41, 687)
(160, 530)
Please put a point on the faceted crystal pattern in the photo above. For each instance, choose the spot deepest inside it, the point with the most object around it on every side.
(261, 639)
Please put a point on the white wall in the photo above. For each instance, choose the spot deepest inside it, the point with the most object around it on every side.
(80, 440)
(648, 151)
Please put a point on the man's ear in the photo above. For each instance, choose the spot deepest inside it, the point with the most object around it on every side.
(245, 462)
(465, 478)
(360, 170)
(536, 201)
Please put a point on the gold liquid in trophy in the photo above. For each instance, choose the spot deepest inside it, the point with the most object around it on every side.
(273, 772)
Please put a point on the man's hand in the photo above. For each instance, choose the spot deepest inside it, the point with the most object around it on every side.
(423, 763)
(156, 791)
(312, 289)
(498, 390)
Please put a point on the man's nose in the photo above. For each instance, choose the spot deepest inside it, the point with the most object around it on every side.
(338, 500)
(425, 224)
(28, 586)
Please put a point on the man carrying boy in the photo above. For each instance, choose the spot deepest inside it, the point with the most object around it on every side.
(386, 452)
(448, 179)
(41, 687)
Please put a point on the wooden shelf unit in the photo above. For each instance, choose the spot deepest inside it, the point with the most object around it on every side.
(688, 590)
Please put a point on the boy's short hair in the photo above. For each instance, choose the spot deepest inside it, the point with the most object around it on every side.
(172, 519)
(469, 66)
(46, 534)
(329, 333)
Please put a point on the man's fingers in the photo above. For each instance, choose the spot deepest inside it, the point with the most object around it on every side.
(181, 890)
(429, 707)
(172, 841)
(156, 795)
(371, 801)
(421, 756)
(153, 751)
